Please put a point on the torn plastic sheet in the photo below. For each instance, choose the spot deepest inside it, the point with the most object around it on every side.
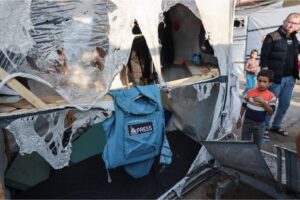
(46, 134)
(43, 134)
(191, 116)
(51, 25)
(80, 46)
(15, 19)
(234, 102)
(62, 42)
(203, 156)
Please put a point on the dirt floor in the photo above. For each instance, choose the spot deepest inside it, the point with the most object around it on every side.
(291, 123)
(207, 190)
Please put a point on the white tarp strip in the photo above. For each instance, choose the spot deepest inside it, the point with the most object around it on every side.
(215, 24)
(49, 145)
(203, 90)
(45, 134)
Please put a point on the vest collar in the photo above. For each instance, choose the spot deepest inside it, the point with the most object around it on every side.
(284, 34)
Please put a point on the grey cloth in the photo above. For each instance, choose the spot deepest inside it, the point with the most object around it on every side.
(243, 156)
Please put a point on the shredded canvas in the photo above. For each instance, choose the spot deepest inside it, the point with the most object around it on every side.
(47, 134)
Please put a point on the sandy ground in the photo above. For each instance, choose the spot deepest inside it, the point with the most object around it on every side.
(291, 123)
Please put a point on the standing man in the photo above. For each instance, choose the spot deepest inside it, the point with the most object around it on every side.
(279, 53)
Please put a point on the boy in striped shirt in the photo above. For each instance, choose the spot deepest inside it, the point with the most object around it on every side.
(257, 103)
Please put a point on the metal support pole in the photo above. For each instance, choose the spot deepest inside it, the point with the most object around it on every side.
(279, 167)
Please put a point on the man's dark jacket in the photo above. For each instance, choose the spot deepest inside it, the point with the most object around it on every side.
(274, 53)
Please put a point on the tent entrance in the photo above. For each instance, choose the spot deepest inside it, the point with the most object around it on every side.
(140, 66)
(185, 47)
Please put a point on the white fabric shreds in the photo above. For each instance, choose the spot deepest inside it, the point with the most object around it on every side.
(203, 90)
(233, 102)
(46, 134)
(48, 145)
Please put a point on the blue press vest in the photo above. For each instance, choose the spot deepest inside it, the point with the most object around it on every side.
(135, 131)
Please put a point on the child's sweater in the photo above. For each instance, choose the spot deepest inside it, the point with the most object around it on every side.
(254, 110)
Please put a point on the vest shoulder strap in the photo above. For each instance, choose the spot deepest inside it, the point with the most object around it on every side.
(275, 35)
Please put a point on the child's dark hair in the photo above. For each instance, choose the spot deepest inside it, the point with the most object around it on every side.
(59, 52)
(266, 73)
(254, 50)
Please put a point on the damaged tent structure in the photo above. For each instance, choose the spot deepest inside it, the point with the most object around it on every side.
(61, 59)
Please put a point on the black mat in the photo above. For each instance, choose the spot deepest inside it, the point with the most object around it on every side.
(88, 179)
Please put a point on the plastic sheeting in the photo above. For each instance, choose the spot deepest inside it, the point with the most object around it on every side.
(76, 28)
(190, 114)
(43, 134)
(234, 102)
(46, 134)
(59, 40)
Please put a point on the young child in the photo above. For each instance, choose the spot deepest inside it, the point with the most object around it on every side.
(257, 103)
(251, 69)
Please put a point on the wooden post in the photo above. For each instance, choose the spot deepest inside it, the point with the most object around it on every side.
(23, 91)
(126, 76)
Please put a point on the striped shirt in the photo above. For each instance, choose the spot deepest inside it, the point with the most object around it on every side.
(254, 110)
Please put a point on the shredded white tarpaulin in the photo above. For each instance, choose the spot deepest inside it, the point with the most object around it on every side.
(43, 134)
(234, 102)
(46, 134)
(77, 28)
(37, 29)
